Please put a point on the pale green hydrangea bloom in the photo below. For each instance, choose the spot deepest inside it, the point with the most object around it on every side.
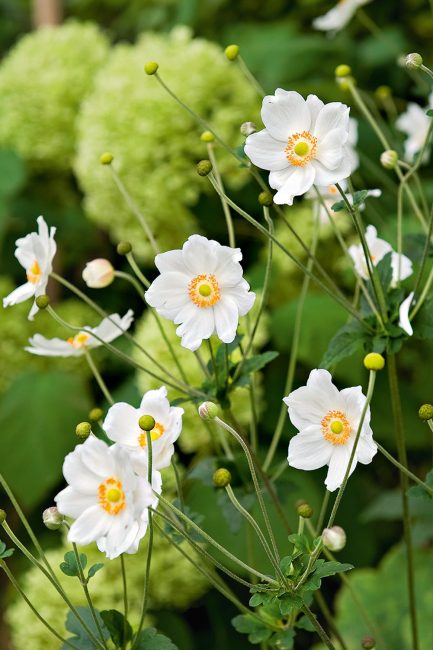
(43, 81)
(156, 143)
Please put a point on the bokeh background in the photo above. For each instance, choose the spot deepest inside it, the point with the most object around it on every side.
(74, 89)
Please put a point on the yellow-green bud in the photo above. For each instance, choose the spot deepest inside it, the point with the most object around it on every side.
(106, 158)
(368, 643)
(151, 67)
(374, 361)
(2, 516)
(207, 136)
(83, 430)
(413, 61)
(247, 128)
(426, 412)
(222, 477)
(334, 538)
(146, 422)
(42, 302)
(383, 92)
(96, 414)
(304, 510)
(231, 52)
(389, 159)
(52, 518)
(265, 198)
(124, 247)
(343, 70)
(208, 410)
(204, 167)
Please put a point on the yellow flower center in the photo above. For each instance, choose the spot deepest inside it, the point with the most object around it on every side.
(204, 290)
(301, 148)
(336, 428)
(155, 434)
(111, 496)
(332, 189)
(34, 273)
(78, 341)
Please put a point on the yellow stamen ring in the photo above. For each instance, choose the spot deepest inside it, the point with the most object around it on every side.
(79, 340)
(336, 428)
(301, 148)
(155, 434)
(34, 273)
(111, 496)
(204, 290)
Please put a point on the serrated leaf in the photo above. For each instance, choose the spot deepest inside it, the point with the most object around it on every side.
(150, 639)
(69, 567)
(81, 638)
(349, 339)
(286, 564)
(359, 197)
(119, 628)
(94, 569)
(256, 630)
(5, 552)
(384, 270)
(331, 568)
(304, 623)
(283, 640)
(288, 602)
(419, 491)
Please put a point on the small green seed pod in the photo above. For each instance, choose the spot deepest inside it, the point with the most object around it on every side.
(95, 415)
(151, 67)
(83, 430)
(232, 52)
(208, 411)
(374, 361)
(222, 478)
(207, 136)
(265, 198)
(204, 167)
(124, 247)
(343, 70)
(304, 510)
(426, 412)
(42, 302)
(106, 158)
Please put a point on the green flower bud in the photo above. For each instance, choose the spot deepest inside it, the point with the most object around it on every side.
(83, 430)
(96, 414)
(204, 167)
(334, 538)
(389, 159)
(304, 510)
(124, 247)
(374, 361)
(151, 67)
(426, 412)
(383, 92)
(368, 643)
(208, 411)
(413, 61)
(42, 301)
(343, 70)
(52, 518)
(2, 516)
(222, 478)
(231, 52)
(265, 198)
(106, 158)
(207, 136)
(146, 422)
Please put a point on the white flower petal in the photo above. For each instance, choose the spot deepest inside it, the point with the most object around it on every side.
(170, 261)
(226, 319)
(334, 115)
(72, 503)
(121, 423)
(285, 113)
(20, 294)
(55, 347)
(330, 150)
(309, 404)
(297, 183)
(366, 450)
(309, 450)
(266, 152)
(402, 268)
(325, 176)
(92, 524)
(200, 255)
(338, 465)
(403, 313)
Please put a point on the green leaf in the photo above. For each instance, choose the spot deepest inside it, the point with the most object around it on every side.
(286, 564)
(94, 569)
(283, 640)
(5, 552)
(384, 270)
(256, 630)
(300, 542)
(339, 206)
(196, 517)
(287, 602)
(70, 566)
(150, 640)
(359, 197)
(331, 568)
(420, 491)
(253, 364)
(119, 628)
(349, 339)
(429, 113)
(304, 623)
(81, 638)
(423, 323)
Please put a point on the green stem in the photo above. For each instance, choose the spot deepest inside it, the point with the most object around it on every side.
(249, 76)
(134, 266)
(403, 469)
(226, 209)
(83, 582)
(319, 629)
(323, 510)
(178, 484)
(329, 619)
(425, 255)
(101, 383)
(125, 596)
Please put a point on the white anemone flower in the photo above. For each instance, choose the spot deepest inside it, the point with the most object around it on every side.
(304, 143)
(108, 501)
(331, 195)
(35, 252)
(352, 141)
(108, 330)
(121, 425)
(378, 248)
(339, 16)
(201, 289)
(414, 122)
(327, 420)
(403, 313)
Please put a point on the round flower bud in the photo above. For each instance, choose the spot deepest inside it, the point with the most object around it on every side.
(146, 422)
(2, 516)
(42, 301)
(204, 167)
(304, 510)
(52, 518)
(413, 61)
(368, 643)
(389, 159)
(208, 411)
(374, 361)
(426, 412)
(106, 158)
(247, 128)
(265, 198)
(334, 538)
(83, 430)
(95, 414)
(207, 136)
(151, 67)
(124, 247)
(98, 273)
(383, 92)
(222, 478)
(343, 70)
(231, 52)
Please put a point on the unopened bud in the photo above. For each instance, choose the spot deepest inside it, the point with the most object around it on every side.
(146, 422)
(265, 198)
(334, 538)
(204, 167)
(247, 128)
(208, 410)
(389, 159)
(106, 158)
(151, 67)
(95, 414)
(222, 478)
(374, 361)
(426, 412)
(231, 52)
(52, 518)
(98, 273)
(83, 430)
(413, 61)
(42, 302)
(304, 510)
(124, 247)
(2, 516)
(207, 136)
(383, 92)
(343, 70)
(368, 643)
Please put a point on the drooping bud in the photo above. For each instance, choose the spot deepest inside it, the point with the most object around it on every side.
(95, 414)
(204, 167)
(247, 128)
(83, 430)
(124, 247)
(413, 61)
(334, 538)
(151, 67)
(374, 361)
(426, 412)
(52, 518)
(304, 510)
(146, 422)
(106, 158)
(342, 71)
(98, 273)
(222, 477)
(231, 52)
(265, 198)
(208, 410)
(207, 136)
(2, 516)
(42, 302)
(389, 159)
(368, 643)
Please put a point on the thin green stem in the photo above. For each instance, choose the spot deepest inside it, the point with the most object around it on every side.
(329, 618)
(319, 629)
(249, 76)
(323, 510)
(403, 469)
(125, 596)
(225, 206)
(101, 383)
(178, 484)
(83, 582)
(134, 266)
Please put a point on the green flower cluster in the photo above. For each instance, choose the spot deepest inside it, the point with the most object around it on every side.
(43, 81)
(155, 143)
(174, 583)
